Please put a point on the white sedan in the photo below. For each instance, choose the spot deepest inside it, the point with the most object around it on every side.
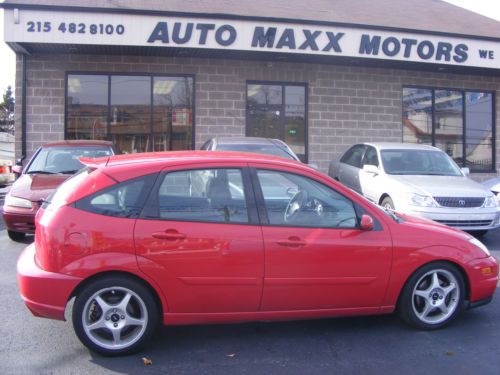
(418, 180)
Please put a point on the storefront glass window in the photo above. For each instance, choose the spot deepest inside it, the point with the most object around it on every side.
(172, 113)
(87, 105)
(130, 113)
(450, 120)
(278, 111)
(448, 123)
(137, 113)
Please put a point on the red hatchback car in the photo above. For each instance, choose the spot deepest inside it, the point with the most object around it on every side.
(51, 164)
(210, 237)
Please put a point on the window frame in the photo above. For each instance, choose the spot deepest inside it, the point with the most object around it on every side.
(262, 210)
(281, 108)
(464, 92)
(109, 74)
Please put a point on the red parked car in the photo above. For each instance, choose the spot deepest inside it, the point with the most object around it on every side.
(207, 237)
(51, 164)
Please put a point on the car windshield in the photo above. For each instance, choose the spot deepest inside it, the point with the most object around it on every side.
(260, 149)
(64, 159)
(419, 162)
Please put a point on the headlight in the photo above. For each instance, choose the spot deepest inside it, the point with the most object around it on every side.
(479, 244)
(420, 200)
(17, 202)
(490, 202)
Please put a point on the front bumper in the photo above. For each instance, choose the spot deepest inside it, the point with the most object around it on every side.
(460, 218)
(483, 280)
(20, 219)
(44, 293)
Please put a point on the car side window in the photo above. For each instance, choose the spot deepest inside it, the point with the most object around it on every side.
(203, 195)
(125, 199)
(353, 156)
(294, 200)
(370, 157)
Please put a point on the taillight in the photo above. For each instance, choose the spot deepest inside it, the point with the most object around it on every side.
(3, 169)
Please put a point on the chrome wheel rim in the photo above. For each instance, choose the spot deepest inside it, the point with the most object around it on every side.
(435, 296)
(114, 318)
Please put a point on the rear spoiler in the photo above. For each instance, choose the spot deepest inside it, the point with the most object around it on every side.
(94, 163)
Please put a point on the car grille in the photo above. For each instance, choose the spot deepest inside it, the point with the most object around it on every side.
(459, 202)
(466, 223)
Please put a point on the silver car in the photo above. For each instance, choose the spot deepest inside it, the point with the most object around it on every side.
(418, 180)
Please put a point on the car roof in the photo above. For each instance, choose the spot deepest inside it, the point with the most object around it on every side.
(174, 157)
(400, 146)
(78, 142)
(247, 140)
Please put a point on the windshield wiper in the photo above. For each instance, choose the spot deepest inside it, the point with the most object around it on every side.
(69, 172)
(40, 172)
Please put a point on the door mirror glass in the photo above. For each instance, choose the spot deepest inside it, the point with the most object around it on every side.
(366, 222)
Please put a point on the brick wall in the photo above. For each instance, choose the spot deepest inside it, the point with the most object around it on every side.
(346, 104)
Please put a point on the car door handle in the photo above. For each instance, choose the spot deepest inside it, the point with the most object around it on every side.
(169, 235)
(292, 242)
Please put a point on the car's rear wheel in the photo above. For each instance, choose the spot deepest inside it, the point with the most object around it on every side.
(16, 236)
(388, 203)
(433, 296)
(115, 315)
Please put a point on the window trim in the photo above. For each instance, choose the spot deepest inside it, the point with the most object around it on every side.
(281, 108)
(464, 91)
(109, 74)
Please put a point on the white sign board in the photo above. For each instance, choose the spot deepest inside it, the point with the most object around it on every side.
(33, 26)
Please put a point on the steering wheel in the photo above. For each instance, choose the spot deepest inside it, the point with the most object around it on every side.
(295, 204)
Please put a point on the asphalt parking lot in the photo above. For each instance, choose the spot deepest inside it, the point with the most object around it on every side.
(373, 345)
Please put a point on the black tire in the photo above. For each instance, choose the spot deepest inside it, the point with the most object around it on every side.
(388, 203)
(16, 236)
(412, 307)
(113, 290)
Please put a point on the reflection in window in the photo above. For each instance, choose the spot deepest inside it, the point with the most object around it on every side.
(436, 117)
(87, 105)
(479, 131)
(448, 120)
(137, 113)
(130, 112)
(417, 115)
(172, 117)
(278, 111)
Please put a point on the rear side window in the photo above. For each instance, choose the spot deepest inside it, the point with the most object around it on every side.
(201, 195)
(125, 199)
(353, 156)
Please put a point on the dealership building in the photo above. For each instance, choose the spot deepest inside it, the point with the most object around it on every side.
(320, 75)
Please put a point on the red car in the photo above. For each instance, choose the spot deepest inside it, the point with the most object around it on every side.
(207, 237)
(52, 164)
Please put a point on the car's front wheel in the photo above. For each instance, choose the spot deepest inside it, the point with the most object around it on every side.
(433, 296)
(115, 315)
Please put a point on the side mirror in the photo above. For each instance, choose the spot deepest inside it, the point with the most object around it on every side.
(366, 222)
(368, 168)
(17, 169)
(465, 171)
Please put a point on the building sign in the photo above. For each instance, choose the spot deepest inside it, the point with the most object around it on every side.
(30, 26)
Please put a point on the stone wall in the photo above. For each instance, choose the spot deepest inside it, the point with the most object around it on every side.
(346, 104)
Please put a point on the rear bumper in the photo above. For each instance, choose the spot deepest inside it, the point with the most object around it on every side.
(44, 293)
